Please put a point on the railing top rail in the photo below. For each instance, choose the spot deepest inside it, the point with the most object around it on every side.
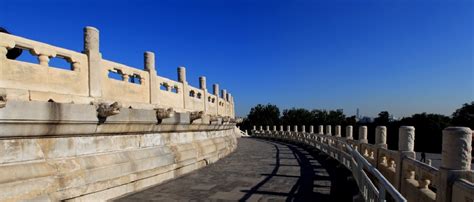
(376, 173)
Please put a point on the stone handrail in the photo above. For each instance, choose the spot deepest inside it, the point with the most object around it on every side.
(462, 190)
(352, 159)
(418, 180)
(88, 80)
(379, 171)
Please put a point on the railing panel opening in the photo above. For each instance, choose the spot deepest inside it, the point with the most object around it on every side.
(115, 74)
(26, 56)
(61, 62)
(175, 90)
(135, 78)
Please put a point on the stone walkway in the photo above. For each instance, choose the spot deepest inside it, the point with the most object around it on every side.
(259, 170)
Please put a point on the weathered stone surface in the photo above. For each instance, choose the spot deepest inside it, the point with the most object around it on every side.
(100, 167)
(456, 154)
(406, 138)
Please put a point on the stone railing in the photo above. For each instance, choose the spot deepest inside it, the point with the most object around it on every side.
(395, 174)
(89, 80)
(80, 135)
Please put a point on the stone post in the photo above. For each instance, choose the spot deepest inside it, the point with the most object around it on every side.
(328, 130)
(363, 134)
(321, 129)
(338, 131)
(303, 128)
(275, 128)
(223, 108)
(203, 87)
(267, 128)
(281, 128)
(381, 137)
(406, 139)
(215, 91)
(229, 105)
(261, 128)
(4, 46)
(288, 128)
(406, 146)
(96, 71)
(202, 83)
(349, 132)
(182, 79)
(455, 160)
(254, 127)
(311, 129)
(182, 74)
(295, 128)
(224, 92)
(153, 82)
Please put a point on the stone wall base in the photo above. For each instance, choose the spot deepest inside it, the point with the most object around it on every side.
(98, 168)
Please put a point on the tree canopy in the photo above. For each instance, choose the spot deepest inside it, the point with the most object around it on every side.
(464, 116)
(428, 126)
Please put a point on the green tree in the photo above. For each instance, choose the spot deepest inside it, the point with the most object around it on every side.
(320, 117)
(336, 117)
(383, 119)
(264, 115)
(464, 116)
(352, 120)
(428, 130)
(332, 117)
(297, 117)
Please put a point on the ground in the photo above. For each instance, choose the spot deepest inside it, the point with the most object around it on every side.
(259, 170)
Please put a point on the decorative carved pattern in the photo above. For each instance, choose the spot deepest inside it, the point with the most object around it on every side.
(104, 111)
(162, 113)
(213, 118)
(226, 119)
(3, 101)
(196, 115)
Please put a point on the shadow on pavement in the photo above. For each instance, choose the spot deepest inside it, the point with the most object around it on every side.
(321, 178)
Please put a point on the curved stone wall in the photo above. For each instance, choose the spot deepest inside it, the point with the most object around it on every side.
(55, 151)
(102, 167)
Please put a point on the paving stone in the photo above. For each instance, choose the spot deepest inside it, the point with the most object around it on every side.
(206, 187)
(259, 170)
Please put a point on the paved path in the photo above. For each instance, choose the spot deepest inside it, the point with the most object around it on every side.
(259, 170)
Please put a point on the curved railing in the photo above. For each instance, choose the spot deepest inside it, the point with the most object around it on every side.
(393, 175)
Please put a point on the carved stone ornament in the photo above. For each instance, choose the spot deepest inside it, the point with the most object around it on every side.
(162, 113)
(196, 115)
(104, 111)
(3, 101)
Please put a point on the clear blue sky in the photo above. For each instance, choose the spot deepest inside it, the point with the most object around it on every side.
(404, 56)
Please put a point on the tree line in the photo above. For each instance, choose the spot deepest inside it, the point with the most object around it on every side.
(428, 126)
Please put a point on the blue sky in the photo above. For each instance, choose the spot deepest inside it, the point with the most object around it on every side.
(404, 56)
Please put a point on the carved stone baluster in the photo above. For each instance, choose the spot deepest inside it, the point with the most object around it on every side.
(391, 163)
(44, 54)
(125, 77)
(424, 183)
(43, 60)
(410, 175)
